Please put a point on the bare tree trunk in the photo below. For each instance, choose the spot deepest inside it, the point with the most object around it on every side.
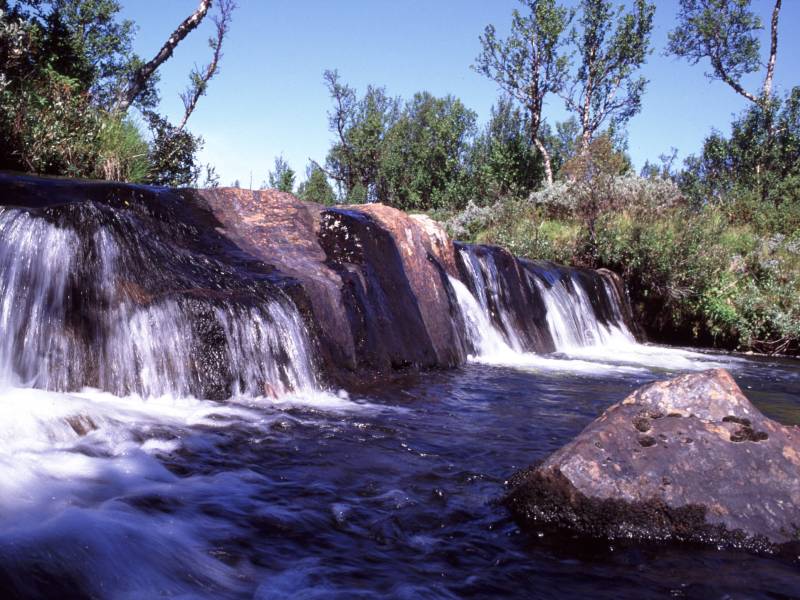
(586, 109)
(548, 167)
(139, 79)
(773, 52)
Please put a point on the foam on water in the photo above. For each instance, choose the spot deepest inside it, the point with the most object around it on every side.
(85, 495)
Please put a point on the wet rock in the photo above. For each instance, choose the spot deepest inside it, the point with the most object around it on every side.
(427, 258)
(369, 281)
(374, 278)
(723, 473)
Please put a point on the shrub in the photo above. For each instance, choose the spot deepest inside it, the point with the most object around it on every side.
(123, 151)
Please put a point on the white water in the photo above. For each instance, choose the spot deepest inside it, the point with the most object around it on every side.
(483, 274)
(76, 463)
(571, 318)
(583, 343)
(146, 346)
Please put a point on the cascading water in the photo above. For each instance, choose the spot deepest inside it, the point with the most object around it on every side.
(485, 280)
(581, 315)
(483, 338)
(71, 316)
(571, 317)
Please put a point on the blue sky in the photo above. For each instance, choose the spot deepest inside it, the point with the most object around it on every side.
(269, 97)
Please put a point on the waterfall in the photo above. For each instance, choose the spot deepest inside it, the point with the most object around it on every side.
(483, 338)
(484, 278)
(72, 316)
(571, 317)
(579, 308)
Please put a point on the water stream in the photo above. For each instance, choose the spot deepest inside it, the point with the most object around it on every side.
(117, 481)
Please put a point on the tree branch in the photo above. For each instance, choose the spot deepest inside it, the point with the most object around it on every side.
(139, 79)
(200, 80)
(723, 75)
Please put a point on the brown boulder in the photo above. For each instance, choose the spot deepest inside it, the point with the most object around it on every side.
(689, 459)
(376, 279)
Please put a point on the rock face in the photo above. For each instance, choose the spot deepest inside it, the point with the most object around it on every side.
(689, 459)
(370, 281)
(374, 277)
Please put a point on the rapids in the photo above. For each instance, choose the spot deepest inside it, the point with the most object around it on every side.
(120, 479)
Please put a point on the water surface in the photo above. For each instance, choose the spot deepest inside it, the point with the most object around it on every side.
(388, 493)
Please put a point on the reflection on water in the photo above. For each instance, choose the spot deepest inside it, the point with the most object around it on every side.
(390, 493)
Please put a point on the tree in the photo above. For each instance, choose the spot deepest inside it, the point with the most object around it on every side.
(172, 154)
(316, 187)
(360, 126)
(67, 78)
(725, 33)
(281, 178)
(591, 175)
(612, 45)
(503, 161)
(762, 155)
(529, 65)
(425, 152)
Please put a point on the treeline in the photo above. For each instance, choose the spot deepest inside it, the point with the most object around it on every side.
(429, 153)
(69, 80)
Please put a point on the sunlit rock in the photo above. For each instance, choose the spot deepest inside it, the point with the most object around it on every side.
(689, 459)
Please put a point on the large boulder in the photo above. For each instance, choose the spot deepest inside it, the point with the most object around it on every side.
(375, 278)
(689, 459)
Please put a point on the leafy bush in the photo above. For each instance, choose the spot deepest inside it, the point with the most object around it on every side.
(123, 151)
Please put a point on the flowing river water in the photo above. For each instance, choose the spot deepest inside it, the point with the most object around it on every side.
(135, 488)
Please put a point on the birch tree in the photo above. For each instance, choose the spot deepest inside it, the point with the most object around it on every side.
(612, 45)
(725, 32)
(530, 64)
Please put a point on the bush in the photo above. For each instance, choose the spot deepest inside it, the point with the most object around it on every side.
(123, 152)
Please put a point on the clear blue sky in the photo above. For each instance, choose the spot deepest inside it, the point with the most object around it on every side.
(269, 97)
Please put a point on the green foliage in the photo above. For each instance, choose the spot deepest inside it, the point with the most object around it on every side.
(755, 173)
(503, 161)
(48, 127)
(722, 31)
(425, 151)
(316, 187)
(62, 64)
(361, 126)
(410, 155)
(172, 154)
(282, 176)
(531, 63)
(123, 152)
(697, 278)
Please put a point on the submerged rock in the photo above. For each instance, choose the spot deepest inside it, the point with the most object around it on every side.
(689, 459)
